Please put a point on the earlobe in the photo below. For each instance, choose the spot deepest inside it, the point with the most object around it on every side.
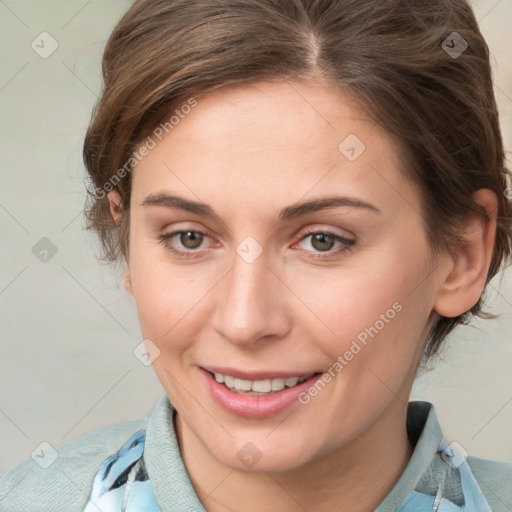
(116, 211)
(470, 261)
(127, 281)
(115, 205)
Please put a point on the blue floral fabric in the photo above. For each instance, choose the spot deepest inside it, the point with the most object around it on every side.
(474, 500)
(122, 484)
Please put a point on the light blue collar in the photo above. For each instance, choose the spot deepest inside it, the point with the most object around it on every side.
(474, 500)
(150, 461)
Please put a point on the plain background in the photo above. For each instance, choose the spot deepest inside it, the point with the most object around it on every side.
(68, 328)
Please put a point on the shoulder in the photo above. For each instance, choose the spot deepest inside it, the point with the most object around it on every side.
(60, 478)
(495, 480)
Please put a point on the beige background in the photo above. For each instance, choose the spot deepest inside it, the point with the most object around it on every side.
(68, 329)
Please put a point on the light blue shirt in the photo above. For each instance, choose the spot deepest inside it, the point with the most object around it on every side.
(137, 466)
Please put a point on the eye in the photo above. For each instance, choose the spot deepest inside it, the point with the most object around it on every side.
(189, 239)
(187, 243)
(323, 243)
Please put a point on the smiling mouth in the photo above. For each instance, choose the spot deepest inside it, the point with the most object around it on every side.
(259, 387)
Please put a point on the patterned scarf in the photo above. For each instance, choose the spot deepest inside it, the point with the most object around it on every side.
(122, 484)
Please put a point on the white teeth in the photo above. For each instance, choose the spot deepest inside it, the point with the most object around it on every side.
(243, 385)
(277, 384)
(255, 387)
(292, 381)
(262, 386)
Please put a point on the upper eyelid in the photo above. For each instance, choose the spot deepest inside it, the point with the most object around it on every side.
(298, 233)
(303, 230)
(342, 239)
(311, 231)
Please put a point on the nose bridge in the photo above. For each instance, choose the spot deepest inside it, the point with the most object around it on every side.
(249, 304)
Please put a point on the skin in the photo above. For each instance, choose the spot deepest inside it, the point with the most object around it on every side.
(249, 152)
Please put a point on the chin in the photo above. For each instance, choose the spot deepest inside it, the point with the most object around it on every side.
(256, 457)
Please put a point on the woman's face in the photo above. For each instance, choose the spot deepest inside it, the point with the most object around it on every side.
(269, 285)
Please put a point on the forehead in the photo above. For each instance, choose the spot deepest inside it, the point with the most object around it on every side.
(273, 141)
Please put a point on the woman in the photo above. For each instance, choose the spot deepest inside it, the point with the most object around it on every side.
(308, 196)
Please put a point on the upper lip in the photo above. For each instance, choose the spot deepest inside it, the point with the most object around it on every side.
(263, 375)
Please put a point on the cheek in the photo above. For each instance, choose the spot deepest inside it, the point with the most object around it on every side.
(171, 300)
(371, 309)
(162, 297)
(167, 307)
(379, 330)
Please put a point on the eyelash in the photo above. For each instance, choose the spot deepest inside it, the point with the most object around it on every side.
(347, 244)
(164, 239)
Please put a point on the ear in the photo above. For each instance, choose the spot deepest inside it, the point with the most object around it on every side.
(471, 258)
(114, 200)
(127, 281)
(116, 211)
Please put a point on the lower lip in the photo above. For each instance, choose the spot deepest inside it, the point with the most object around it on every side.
(255, 406)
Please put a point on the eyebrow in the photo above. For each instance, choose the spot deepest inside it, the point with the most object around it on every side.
(288, 213)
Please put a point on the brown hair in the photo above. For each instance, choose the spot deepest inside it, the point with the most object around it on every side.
(393, 55)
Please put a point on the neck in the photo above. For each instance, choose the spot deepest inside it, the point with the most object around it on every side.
(356, 476)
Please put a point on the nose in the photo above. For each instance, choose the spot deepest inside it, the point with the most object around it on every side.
(251, 306)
